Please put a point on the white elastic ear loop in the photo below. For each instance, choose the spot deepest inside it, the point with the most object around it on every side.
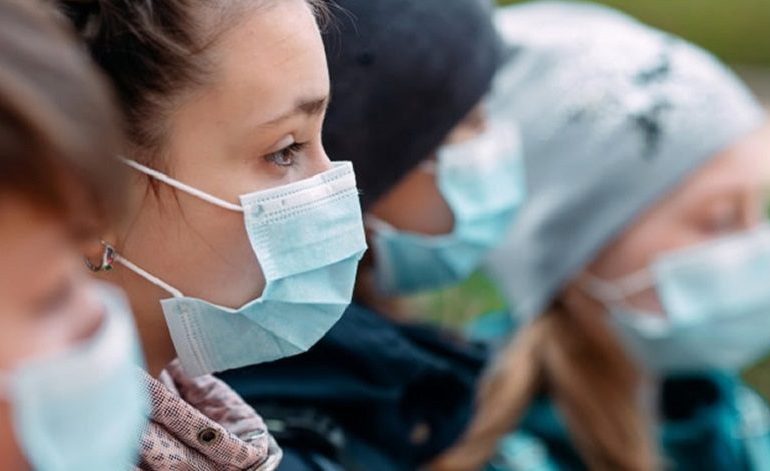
(182, 186)
(149, 277)
(376, 224)
(617, 292)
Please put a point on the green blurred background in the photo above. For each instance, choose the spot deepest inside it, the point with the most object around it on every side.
(738, 31)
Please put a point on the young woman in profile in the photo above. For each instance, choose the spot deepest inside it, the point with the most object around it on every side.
(241, 239)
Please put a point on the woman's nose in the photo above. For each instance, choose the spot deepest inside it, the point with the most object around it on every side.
(319, 162)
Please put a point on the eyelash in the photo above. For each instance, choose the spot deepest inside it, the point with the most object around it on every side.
(286, 153)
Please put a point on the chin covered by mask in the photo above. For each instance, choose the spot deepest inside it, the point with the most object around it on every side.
(716, 303)
(308, 237)
(482, 181)
(83, 409)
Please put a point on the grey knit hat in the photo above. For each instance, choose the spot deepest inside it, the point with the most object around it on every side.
(613, 115)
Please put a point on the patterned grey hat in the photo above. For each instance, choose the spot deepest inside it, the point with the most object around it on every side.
(613, 114)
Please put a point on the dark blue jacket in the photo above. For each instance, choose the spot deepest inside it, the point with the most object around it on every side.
(386, 396)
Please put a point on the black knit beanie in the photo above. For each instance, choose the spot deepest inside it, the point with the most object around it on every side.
(404, 73)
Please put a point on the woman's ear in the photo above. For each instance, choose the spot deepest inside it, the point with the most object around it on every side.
(98, 251)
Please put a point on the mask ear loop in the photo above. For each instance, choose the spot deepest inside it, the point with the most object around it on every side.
(182, 186)
(149, 277)
(110, 256)
(612, 293)
(377, 225)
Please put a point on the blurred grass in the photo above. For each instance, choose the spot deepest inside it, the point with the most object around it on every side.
(457, 306)
(738, 31)
(758, 377)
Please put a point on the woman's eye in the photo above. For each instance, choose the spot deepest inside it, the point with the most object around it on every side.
(286, 157)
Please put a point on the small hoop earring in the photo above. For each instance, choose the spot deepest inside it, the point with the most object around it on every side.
(107, 260)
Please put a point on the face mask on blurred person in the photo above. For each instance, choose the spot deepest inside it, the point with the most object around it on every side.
(716, 303)
(83, 409)
(308, 237)
(482, 181)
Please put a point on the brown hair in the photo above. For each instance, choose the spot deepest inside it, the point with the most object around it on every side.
(152, 51)
(575, 357)
(59, 130)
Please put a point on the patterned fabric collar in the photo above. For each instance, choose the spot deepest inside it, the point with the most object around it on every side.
(200, 424)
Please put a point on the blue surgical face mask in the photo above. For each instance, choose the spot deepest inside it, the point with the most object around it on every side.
(308, 238)
(85, 408)
(482, 181)
(716, 306)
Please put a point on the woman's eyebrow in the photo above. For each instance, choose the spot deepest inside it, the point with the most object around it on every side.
(308, 106)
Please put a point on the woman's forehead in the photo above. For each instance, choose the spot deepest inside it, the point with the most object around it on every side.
(272, 61)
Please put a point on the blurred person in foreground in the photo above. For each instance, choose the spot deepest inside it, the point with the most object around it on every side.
(70, 397)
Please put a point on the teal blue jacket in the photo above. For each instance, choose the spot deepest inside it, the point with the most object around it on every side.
(709, 421)
(729, 431)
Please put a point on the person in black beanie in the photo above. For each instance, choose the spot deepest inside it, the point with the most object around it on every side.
(408, 80)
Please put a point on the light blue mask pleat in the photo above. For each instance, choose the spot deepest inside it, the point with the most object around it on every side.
(311, 235)
(86, 409)
(485, 232)
(435, 265)
(308, 238)
(717, 301)
(727, 344)
(720, 279)
(482, 181)
(222, 338)
(327, 285)
(459, 176)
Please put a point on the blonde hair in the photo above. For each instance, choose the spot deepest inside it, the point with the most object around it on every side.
(574, 355)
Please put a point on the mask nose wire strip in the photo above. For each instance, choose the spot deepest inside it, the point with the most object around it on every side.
(181, 186)
(149, 277)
